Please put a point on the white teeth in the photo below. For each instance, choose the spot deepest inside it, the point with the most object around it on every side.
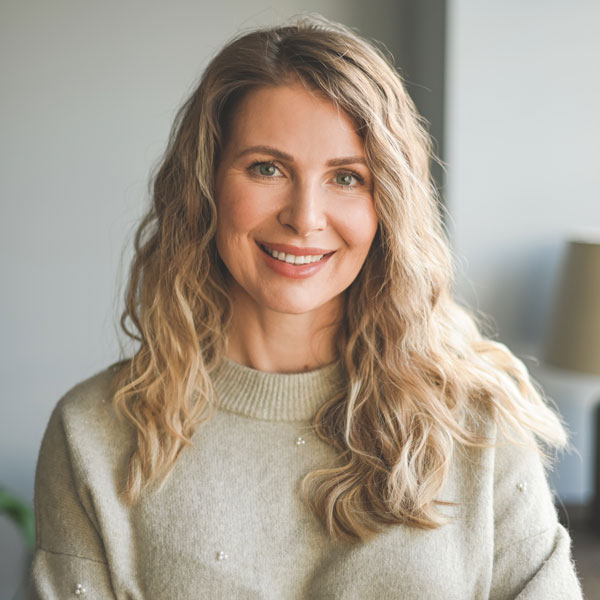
(292, 259)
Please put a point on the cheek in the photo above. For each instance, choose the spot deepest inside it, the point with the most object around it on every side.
(237, 213)
(358, 225)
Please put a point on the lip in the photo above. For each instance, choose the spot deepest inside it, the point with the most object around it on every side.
(294, 271)
(295, 250)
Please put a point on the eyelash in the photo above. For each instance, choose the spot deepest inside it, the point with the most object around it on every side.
(354, 174)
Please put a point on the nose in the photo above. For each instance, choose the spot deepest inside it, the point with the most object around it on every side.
(304, 209)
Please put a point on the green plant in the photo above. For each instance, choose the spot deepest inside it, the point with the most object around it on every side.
(21, 513)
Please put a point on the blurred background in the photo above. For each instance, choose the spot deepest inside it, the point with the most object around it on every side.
(90, 89)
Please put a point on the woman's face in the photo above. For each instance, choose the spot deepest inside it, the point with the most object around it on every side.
(294, 199)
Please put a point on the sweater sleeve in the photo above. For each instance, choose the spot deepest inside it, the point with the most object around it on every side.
(69, 555)
(532, 551)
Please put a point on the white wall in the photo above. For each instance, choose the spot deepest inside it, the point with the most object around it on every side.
(89, 91)
(522, 134)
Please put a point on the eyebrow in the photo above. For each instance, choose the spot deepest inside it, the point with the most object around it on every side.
(333, 162)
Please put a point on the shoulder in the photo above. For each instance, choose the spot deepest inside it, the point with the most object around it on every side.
(523, 500)
(507, 457)
(89, 396)
(85, 424)
(513, 477)
(506, 478)
(88, 404)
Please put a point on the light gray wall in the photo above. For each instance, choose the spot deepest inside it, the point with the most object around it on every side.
(522, 125)
(89, 92)
(522, 131)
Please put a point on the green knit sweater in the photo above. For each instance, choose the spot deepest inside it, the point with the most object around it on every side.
(229, 522)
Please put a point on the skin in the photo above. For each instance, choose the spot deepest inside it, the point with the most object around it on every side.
(289, 192)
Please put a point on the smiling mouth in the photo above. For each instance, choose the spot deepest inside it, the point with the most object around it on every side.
(292, 259)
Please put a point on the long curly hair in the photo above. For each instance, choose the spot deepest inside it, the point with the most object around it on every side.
(421, 377)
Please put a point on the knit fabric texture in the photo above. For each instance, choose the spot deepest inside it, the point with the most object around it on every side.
(229, 522)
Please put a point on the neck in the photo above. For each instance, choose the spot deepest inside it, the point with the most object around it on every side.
(276, 342)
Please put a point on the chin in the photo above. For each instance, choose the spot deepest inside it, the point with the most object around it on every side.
(291, 303)
(292, 308)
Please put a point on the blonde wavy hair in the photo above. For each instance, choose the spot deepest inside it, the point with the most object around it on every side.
(421, 378)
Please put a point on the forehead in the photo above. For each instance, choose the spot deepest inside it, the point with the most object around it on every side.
(294, 117)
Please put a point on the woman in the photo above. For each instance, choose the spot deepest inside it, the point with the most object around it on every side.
(309, 413)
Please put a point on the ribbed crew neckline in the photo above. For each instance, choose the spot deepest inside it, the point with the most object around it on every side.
(275, 396)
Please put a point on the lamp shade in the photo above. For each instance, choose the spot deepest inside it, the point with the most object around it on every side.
(573, 340)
